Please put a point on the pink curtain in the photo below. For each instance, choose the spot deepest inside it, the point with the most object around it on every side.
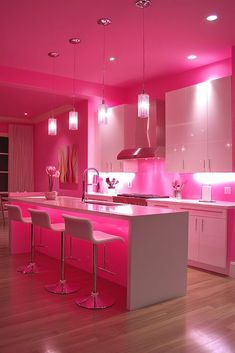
(20, 158)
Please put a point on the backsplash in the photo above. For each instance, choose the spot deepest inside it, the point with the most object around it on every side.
(152, 178)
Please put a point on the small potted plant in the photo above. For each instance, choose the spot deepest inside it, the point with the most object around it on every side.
(52, 173)
(177, 186)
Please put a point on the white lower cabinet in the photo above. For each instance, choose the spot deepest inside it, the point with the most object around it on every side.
(207, 235)
(207, 242)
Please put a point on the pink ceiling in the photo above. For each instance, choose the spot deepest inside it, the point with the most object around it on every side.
(174, 29)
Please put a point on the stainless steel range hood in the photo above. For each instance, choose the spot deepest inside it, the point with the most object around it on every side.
(149, 141)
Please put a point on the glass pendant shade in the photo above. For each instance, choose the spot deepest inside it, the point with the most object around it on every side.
(143, 105)
(73, 120)
(103, 113)
(52, 126)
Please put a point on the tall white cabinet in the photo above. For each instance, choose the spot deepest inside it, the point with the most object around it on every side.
(199, 128)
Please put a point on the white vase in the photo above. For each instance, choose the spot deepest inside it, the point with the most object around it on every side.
(50, 195)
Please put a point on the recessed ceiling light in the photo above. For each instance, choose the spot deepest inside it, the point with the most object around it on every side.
(25, 114)
(211, 18)
(111, 58)
(192, 57)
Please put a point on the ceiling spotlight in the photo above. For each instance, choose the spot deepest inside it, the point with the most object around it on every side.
(25, 114)
(111, 58)
(192, 57)
(211, 18)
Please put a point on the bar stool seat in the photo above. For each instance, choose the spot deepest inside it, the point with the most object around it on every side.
(15, 214)
(83, 229)
(42, 219)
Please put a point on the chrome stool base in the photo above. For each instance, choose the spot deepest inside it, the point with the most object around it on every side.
(61, 287)
(31, 268)
(95, 301)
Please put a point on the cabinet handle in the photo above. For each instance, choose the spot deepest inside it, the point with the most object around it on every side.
(121, 166)
(204, 164)
(196, 224)
(209, 162)
(202, 225)
(183, 164)
(111, 166)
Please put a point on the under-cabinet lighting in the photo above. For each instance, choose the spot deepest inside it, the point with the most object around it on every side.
(214, 178)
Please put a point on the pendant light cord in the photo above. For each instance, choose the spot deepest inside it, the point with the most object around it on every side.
(53, 86)
(74, 72)
(143, 27)
(104, 66)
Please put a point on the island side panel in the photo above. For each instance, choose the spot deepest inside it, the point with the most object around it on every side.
(158, 251)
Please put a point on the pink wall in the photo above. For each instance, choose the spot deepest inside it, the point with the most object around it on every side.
(4, 128)
(46, 150)
(157, 88)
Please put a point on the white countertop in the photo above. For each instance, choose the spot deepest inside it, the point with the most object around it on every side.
(214, 204)
(73, 204)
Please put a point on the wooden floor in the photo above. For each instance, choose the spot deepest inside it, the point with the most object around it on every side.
(34, 321)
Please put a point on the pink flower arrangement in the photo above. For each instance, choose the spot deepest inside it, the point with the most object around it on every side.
(52, 173)
(177, 185)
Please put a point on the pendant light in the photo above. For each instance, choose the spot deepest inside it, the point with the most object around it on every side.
(143, 98)
(52, 121)
(73, 115)
(103, 109)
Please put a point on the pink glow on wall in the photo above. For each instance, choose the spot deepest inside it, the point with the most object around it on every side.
(46, 150)
(153, 178)
(158, 87)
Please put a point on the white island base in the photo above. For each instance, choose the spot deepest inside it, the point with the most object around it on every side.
(153, 260)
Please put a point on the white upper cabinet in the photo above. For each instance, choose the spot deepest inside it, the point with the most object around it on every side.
(219, 130)
(198, 128)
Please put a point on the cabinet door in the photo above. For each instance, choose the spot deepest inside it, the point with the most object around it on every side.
(219, 125)
(213, 242)
(112, 140)
(193, 238)
(186, 114)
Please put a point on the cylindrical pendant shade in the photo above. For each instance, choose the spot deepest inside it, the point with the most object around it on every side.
(73, 120)
(52, 126)
(103, 114)
(143, 105)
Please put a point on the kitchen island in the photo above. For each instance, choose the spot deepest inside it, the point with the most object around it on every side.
(151, 264)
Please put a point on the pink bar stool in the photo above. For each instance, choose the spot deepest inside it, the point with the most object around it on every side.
(15, 214)
(41, 218)
(82, 228)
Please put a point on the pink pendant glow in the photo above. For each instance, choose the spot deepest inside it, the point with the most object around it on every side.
(73, 120)
(103, 113)
(52, 126)
(143, 105)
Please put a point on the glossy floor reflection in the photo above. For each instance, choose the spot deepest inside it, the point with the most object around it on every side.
(35, 321)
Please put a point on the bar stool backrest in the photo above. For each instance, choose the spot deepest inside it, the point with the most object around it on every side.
(14, 212)
(40, 218)
(78, 227)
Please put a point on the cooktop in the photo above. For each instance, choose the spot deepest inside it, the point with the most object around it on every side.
(143, 196)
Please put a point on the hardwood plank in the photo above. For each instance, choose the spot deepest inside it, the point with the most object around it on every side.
(34, 321)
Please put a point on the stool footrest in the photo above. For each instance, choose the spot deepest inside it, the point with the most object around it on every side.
(61, 287)
(95, 301)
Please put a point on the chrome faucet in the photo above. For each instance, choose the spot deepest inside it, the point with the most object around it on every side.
(85, 182)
